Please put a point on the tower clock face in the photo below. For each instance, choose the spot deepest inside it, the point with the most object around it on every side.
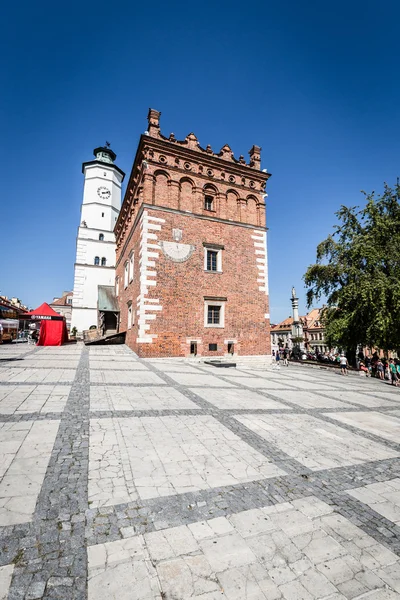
(103, 192)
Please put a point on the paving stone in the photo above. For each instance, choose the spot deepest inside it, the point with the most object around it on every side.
(247, 485)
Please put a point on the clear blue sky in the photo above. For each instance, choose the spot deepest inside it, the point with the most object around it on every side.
(315, 84)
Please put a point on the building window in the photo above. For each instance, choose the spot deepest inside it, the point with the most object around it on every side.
(126, 270)
(103, 261)
(231, 348)
(193, 348)
(212, 347)
(213, 258)
(208, 203)
(214, 312)
(213, 315)
(117, 286)
(69, 300)
(129, 315)
(101, 237)
(102, 214)
(131, 263)
(96, 260)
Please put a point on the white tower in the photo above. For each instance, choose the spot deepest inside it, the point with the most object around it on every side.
(95, 243)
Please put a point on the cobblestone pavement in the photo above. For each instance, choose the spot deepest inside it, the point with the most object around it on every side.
(165, 480)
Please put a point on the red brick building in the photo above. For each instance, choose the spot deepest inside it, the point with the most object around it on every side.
(191, 274)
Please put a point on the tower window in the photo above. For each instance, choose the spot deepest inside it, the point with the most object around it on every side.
(102, 214)
(101, 237)
(103, 261)
(96, 260)
(208, 203)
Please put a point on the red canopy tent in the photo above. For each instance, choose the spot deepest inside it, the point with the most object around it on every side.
(53, 328)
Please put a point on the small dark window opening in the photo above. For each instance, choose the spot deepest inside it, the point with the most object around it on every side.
(212, 256)
(103, 262)
(193, 348)
(231, 348)
(101, 237)
(212, 347)
(102, 214)
(213, 315)
(209, 203)
(96, 260)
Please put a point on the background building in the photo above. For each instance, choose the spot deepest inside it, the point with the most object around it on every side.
(191, 250)
(63, 306)
(95, 244)
(313, 333)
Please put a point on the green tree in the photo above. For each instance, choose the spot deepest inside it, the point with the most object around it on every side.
(358, 271)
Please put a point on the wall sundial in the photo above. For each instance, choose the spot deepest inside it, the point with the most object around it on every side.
(176, 251)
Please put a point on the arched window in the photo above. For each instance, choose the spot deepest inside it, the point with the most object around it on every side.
(96, 260)
(101, 237)
(103, 261)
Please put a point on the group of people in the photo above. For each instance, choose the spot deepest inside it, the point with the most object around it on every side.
(279, 356)
(382, 368)
(372, 366)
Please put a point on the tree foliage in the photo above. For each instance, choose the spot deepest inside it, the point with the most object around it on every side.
(358, 270)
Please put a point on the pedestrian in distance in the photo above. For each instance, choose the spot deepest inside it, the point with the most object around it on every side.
(343, 364)
(398, 369)
(393, 372)
(277, 360)
(380, 369)
(285, 357)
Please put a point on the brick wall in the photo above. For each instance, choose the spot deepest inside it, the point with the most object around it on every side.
(167, 189)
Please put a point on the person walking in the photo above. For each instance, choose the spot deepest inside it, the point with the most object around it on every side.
(393, 372)
(380, 369)
(343, 364)
(277, 360)
(285, 357)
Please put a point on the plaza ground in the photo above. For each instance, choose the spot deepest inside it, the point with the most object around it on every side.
(122, 478)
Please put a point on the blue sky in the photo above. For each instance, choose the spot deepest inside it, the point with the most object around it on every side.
(315, 84)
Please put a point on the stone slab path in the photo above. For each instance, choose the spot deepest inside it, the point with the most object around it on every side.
(163, 480)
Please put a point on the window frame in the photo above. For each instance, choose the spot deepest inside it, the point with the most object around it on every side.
(103, 261)
(131, 267)
(126, 274)
(221, 304)
(210, 248)
(130, 315)
(101, 237)
(209, 198)
(96, 261)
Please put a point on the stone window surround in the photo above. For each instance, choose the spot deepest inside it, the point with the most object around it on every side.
(131, 266)
(130, 314)
(215, 248)
(208, 301)
(126, 267)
